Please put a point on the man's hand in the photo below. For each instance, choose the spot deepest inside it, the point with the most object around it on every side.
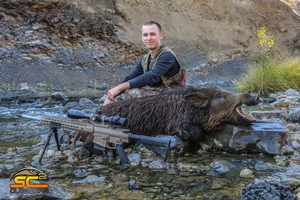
(112, 93)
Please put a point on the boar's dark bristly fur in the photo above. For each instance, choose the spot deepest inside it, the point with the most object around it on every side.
(183, 111)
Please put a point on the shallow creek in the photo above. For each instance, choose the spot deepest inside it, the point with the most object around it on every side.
(194, 175)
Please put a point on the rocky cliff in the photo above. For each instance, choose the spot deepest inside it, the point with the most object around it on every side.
(72, 43)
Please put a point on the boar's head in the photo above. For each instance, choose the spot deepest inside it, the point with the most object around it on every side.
(224, 107)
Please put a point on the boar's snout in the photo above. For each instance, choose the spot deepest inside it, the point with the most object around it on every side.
(251, 99)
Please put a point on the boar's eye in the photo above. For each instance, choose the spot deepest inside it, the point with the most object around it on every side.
(219, 96)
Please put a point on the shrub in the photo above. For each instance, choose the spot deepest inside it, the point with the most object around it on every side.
(267, 75)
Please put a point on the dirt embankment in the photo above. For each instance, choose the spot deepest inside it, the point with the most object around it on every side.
(73, 43)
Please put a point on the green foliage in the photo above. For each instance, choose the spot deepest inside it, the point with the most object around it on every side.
(271, 77)
(267, 75)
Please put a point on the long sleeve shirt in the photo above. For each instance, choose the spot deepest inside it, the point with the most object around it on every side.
(166, 66)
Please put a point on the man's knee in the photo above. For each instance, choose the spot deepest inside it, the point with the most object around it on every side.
(136, 93)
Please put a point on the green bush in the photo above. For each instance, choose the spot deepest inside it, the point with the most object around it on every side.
(271, 77)
(267, 75)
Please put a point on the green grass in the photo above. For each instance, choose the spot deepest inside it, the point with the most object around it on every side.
(269, 77)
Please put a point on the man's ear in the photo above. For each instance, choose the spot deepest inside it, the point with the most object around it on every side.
(199, 100)
(161, 35)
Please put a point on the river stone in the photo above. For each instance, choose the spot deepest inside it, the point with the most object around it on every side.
(135, 159)
(133, 185)
(85, 101)
(261, 137)
(267, 190)
(90, 179)
(246, 173)
(3, 171)
(296, 145)
(269, 167)
(81, 153)
(294, 115)
(291, 92)
(80, 173)
(224, 168)
(282, 160)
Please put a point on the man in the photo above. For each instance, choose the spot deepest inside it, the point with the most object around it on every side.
(158, 70)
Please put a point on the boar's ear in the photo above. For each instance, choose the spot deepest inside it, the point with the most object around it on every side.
(197, 99)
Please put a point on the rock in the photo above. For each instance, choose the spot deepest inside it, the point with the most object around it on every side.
(291, 92)
(133, 185)
(134, 158)
(90, 179)
(80, 173)
(81, 153)
(218, 184)
(282, 160)
(24, 86)
(85, 101)
(268, 167)
(224, 168)
(266, 114)
(59, 96)
(246, 173)
(262, 137)
(267, 190)
(3, 171)
(294, 115)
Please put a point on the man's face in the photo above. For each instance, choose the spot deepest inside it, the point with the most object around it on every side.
(151, 36)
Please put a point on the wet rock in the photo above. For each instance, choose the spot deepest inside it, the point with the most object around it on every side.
(297, 192)
(296, 145)
(261, 137)
(85, 101)
(267, 190)
(155, 164)
(283, 103)
(290, 178)
(267, 113)
(90, 179)
(133, 185)
(282, 160)
(68, 152)
(293, 115)
(224, 168)
(80, 173)
(24, 86)
(72, 159)
(218, 184)
(265, 166)
(59, 96)
(81, 153)
(49, 153)
(291, 92)
(3, 171)
(189, 167)
(135, 159)
(246, 173)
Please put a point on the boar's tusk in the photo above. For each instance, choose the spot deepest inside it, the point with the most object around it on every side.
(257, 100)
(241, 112)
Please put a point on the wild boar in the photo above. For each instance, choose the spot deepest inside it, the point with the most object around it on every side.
(185, 112)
